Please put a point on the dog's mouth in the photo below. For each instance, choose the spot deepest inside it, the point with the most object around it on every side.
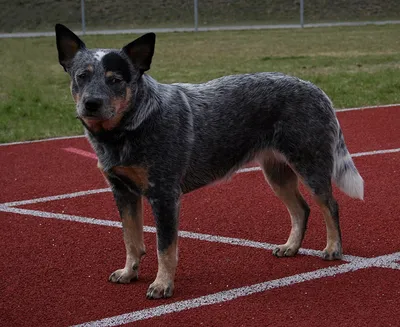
(98, 116)
(99, 122)
(92, 118)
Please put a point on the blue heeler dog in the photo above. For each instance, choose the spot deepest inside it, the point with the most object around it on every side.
(160, 141)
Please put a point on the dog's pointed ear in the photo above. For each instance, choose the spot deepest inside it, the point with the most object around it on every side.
(141, 51)
(68, 44)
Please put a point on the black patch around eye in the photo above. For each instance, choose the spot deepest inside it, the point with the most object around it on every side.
(115, 63)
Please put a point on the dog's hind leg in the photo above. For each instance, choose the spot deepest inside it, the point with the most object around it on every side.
(316, 174)
(284, 183)
(330, 210)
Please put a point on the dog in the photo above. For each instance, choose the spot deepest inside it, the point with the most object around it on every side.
(159, 141)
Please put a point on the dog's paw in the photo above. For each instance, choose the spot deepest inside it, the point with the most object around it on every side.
(285, 251)
(123, 276)
(160, 289)
(329, 254)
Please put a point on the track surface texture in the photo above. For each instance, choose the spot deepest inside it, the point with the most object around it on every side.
(60, 238)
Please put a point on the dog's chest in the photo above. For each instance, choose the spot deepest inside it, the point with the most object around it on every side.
(135, 174)
(126, 165)
(135, 178)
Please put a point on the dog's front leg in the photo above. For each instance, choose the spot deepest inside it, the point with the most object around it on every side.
(132, 225)
(166, 214)
(131, 212)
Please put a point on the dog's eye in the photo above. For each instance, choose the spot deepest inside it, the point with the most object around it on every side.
(115, 80)
(81, 76)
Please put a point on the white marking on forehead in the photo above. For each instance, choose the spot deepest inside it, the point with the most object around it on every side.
(99, 54)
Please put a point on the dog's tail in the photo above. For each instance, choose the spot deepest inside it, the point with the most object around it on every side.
(345, 173)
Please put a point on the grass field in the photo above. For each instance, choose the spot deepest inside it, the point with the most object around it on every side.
(355, 66)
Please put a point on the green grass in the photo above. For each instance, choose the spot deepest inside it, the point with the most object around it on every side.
(355, 66)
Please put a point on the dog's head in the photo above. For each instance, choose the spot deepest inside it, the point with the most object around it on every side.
(102, 80)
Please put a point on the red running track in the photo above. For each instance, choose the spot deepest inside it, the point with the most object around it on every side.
(54, 272)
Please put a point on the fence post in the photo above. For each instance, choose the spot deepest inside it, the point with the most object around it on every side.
(302, 13)
(196, 15)
(83, 17)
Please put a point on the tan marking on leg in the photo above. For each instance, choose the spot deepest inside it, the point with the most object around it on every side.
(284, 183)
(132, 225)
(333, 249)
(163, 286)
(137, 174)
(292, 198)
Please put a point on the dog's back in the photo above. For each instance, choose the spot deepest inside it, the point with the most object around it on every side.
(236, 117)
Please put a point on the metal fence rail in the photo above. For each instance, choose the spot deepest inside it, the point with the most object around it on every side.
(37, 17)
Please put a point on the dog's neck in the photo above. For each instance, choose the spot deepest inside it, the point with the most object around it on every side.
(146, 101)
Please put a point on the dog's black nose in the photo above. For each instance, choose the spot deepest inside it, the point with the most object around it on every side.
(93, 104)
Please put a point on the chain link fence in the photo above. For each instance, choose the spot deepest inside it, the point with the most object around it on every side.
(91, 15)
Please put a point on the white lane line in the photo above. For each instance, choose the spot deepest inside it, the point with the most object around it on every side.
(44, 140)
(392, 265)
(390, 261)
(387, 258)
(150, 229)
(248, 170)
(57, 197)
(232, 294)
(45, 214)
(369, 107)
(372, 153)
(354, 155)
(81, 152)
(80, 136)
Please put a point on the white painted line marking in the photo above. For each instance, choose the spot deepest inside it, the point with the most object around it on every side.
(56, 197)
(248, 170)
(354, 155)
(235, 293)
(372, 153)
(387, 258)
(392, 265)
(80, 136)
(44, 140)
(45, 214)
(150, 229)
(369, 107)
(81, 152)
